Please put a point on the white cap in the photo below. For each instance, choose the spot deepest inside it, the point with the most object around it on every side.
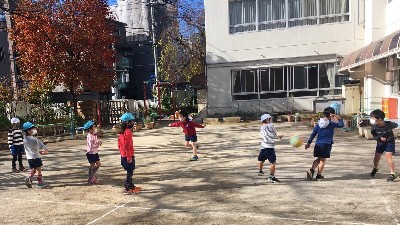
(14, 120)
(265, 117)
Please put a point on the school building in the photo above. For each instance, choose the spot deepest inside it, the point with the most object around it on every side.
(286, 55)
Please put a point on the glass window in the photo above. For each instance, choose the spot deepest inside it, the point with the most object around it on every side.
(313, 76)
(264, 79)
(300, 77)
(333, 11)
(271, 14)
(279, 79)
(340, 78)
(242, 15)
(302, 12)
(249, 80)
(236, 84)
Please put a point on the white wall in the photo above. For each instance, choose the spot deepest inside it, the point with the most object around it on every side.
(392, 17)
(338, 38)
(374, 20)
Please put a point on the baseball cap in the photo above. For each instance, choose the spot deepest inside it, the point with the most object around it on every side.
(265, 117)
(15, 120)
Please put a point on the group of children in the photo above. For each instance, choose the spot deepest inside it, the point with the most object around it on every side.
(324, 131)
(381, 130)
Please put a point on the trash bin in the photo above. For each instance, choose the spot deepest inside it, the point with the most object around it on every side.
(336, 107)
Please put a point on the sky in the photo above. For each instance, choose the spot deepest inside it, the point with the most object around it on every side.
(113, 2)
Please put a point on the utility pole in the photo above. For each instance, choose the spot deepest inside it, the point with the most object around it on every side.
(152, 5)
(11, 48)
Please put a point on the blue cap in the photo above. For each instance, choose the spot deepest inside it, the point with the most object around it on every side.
(127, 117)
(88, 124)
(28, 125)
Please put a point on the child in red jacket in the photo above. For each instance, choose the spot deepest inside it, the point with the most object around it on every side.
(125, 146)
(189, 128)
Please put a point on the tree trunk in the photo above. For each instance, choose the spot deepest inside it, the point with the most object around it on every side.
(74, 100)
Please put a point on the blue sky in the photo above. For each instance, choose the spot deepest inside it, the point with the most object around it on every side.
(113, 2)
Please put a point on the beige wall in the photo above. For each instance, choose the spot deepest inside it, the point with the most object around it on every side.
(392, 17)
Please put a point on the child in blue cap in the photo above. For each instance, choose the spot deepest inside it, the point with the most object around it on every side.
(92, 154)
(33, 149)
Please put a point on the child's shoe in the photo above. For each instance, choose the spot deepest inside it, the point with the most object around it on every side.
(273, 179)
(319, 177)
(260, 173)
(14, 170)
(374, 171)
(42, 185)
(136, 189)
(392, 177)
(92, 180)
(22, 169)
(310, 174)
(194, 158)
(28, 182)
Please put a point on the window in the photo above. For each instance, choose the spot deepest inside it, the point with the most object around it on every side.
(332, 11)
(302, 12)
(271, 14)
(242, 15)
(275, 14)
(281, 82)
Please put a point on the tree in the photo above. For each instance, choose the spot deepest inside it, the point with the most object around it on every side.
(65, 42)
(183, 49)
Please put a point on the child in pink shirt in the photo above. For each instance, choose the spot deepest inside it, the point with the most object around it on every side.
(92, 154)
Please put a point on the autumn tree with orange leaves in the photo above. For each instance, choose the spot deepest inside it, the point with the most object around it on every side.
(65, 42)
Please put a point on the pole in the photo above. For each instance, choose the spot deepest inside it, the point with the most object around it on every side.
(153, 34)
(159, 100)
(72, 121)
(173, 99)
(144, 99)
(11, 49)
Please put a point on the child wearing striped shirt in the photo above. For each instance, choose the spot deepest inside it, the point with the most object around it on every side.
(16, 145)
(268, 134)
(92, 154)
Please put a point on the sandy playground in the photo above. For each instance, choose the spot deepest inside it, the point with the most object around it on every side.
(221, 188)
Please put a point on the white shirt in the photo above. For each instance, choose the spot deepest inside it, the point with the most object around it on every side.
(268, 134)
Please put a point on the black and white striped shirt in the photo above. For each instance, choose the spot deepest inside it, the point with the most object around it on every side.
(15, 137)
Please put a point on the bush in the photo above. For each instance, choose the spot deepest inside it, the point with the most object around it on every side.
(5, 124)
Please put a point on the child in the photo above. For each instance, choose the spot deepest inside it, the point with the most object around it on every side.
(125, 146)
(323, 146)
(16, 144)
(268, 134)
(383, 133)
(92, 154)
(189, 128)
(33, 149)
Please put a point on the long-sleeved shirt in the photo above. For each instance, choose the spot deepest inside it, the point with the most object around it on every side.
(325, 135)
(32, 147)
(189, 127)
(93, 143)
(386, 131)
(268, 134)
(125, 144)
(15, 137)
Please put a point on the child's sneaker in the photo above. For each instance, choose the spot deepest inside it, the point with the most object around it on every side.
(310, 174)
(260, 173)
(93, 180)
(14, 170)
(22, 169)
(42, 185)
(136, 189)
(28, 182)
(273, 179)
(319, 177)
(374, 171)
(392, 177)
(194, 158)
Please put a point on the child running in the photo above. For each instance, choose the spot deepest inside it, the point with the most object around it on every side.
(325, 130)
(125, 146)
(33, 149)
(189, 128)
(16, 145)
(268, 134)
(92, 154)
(383, 133)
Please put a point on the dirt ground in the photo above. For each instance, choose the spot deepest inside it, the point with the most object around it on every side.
(221, 188)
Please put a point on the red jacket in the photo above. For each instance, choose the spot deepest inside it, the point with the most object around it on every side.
(188, 127)
(125, 144)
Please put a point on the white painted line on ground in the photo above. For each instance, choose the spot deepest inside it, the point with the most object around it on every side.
(109, 212)
(115, 208)
(387, 204)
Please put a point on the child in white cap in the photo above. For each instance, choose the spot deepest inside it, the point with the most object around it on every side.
(16, 145)
(268, 134)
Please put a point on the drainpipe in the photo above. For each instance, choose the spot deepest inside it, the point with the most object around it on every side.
(389, 77)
